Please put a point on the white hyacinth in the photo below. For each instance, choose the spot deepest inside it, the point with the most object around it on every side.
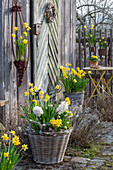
(62, 107)
(37, 111)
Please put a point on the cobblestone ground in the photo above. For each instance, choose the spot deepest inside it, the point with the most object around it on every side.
(104, 160)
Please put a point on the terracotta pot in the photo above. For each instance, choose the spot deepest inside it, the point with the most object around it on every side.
(92, 49)
(94, 64)
(102, 52)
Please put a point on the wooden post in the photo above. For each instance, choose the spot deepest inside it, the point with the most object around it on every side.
(68, 31)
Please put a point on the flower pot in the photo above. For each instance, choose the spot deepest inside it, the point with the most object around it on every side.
(21, 67)
(48, 147)
(102, 52)
(92, 49)
(77, 99)
(94, 64)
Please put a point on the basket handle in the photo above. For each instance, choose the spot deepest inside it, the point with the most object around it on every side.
(40, 132)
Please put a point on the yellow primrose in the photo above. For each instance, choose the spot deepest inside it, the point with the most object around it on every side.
(31, 90)
(12, 132)
(83, 74)
(30, 84)
(25, 25)
(56, 123)
(15, 28)
(57, 87)
(41, 93)
(5, 137)
(25, 41)
(24, 147)
(35, 87)
(94, 56)
(26, 93)
(75, 81)
(80, 76)
(89, 72)
(13, 35)
(81, 71)
(6, 154)
(72, 70)
(61, 67)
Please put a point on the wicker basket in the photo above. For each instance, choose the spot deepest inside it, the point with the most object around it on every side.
(48, 148)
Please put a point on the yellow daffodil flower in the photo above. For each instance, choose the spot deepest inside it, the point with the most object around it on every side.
(67, 100)
(68, 64)
(33, 93)
(103, 38)
(15, 28)
(24, 147)
(25, 41)
(25, 33)
(16, 141)
(5, 137)
(31, 90)
(67, 69)
(57, 87)
(105, 42)
(99, 40)
(71, 114)
(25, 25)
(84, 26)
(35, 87)
(92, 25)
(13, 35)
(30, 84)
(21, 37)
(12, 132)
(89, 72)
(26, 93)
(41, 93)
(90, 35)
(29, 28)
(67, 111)
(77, 68)
(40, 97)
(75, 81)
(6, 154)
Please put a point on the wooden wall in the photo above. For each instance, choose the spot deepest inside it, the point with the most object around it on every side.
(8, 74)
(68, 31)
(54, 46)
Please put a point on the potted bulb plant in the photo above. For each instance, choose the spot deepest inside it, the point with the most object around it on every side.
(50, 126)
(102, 45)
(94, 61)
(74, 82)
(91, 37)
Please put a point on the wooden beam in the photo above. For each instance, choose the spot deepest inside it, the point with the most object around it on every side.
(3, 102)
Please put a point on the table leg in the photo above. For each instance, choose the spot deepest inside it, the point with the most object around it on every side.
(96, 85)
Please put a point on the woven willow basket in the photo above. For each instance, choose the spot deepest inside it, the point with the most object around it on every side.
(48, 148)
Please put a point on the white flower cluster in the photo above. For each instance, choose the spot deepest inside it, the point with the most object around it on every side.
(62, 107)
(37, 111)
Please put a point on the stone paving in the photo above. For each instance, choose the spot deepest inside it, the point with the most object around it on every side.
(103, 162)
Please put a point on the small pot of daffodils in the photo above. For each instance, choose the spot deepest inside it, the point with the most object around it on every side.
(73, 82)
(10, 151)
(102, 44)
(50, 126)
(94, 61)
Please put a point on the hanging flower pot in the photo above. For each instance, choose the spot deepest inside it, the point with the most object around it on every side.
(92, 49)
(20, 41)
(102, 52)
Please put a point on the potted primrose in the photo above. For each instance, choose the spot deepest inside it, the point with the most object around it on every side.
(102, 45)
(50, 126)
(74, 82)
(94, 61)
